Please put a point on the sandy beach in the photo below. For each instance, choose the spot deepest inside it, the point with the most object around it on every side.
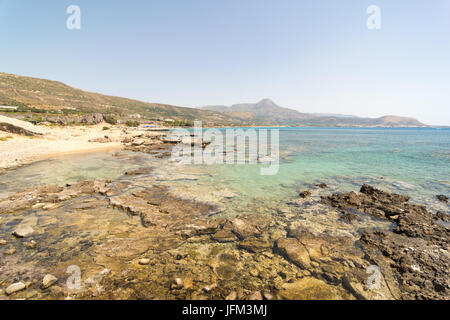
(16, 149)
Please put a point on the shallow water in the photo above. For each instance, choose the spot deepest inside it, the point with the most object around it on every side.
(415, 162)
(408, 161)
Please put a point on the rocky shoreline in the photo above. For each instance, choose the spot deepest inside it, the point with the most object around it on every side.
(135, 240)
(167, 247)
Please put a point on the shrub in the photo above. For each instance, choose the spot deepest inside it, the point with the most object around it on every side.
(105, 128)
(132, 123)
(110, 119)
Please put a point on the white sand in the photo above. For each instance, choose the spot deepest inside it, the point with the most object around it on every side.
(20, 150)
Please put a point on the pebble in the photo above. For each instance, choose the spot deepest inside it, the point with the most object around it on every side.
(267, 295)
(208, 288)
(15, 287)
(255, 296)
(22, 232)
(177, 284)
(48, 281)
(3, 242)
(231, 296)
(32, 244)
(144, 261)
(10, 251)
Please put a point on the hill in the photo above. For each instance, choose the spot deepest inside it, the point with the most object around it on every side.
(36, 96)
(51, 96)
(267, 112)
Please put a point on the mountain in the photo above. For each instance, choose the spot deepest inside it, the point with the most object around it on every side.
(267, 112)
(49, 96)
(34, 95)
(265, 109)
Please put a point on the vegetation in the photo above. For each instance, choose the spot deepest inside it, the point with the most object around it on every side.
(5, 138)
(48, 96)
(180, 123)
(105, 128)
(132, 123)
(110, 119)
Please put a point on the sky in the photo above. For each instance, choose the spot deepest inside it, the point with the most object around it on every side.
(312, 56)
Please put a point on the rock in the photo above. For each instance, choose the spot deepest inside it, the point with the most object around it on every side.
(177, 284)
(10, 251)
(16, 126)
(138, 142)
(255, 245)
(144, 261)
(294, 251)
(309, 288)
(15, 287)
(305, 194)
(442, 198)
(348, 217)
(136, 172)
(1, 220)
(48, 281)
(31, 245)
(3, 242)
(321, 185)
(356, 281)
(231, 296)
(267, 295)
(224, 235)
(413, 258)
(104, 139)
(57, 291)
(22, 232)
(255, 296)
(248, 225)
(209, 288)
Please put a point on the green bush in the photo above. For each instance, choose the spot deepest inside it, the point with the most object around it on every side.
(180, 123)
(132, 123)
(105, 128)
(110, 119)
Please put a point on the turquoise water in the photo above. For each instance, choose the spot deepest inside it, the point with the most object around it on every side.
(415, 162)
(409, 161)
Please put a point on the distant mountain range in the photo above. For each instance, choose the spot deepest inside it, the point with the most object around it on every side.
(40, 95)
(266, 111)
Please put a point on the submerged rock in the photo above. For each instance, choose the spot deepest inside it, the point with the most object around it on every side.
(442, 198)
(23, 232)
(255, 245)
(309, 288)
(48, 281)
(305, 194)
(10, 252)
(294, 251)
(31, 245)
(144, 261)
(15, 287)
(177, 284)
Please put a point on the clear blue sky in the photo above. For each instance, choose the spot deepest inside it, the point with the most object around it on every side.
(313, 56)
